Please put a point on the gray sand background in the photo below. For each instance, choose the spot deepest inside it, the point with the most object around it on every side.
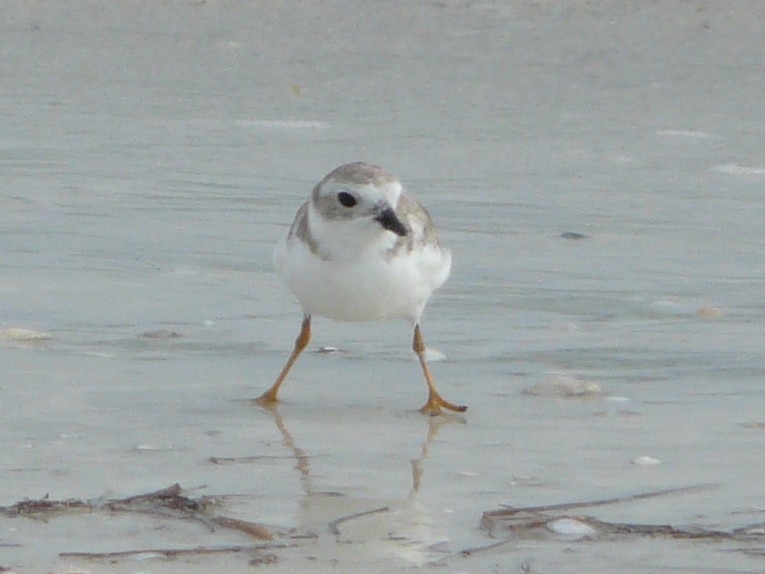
(152, 153)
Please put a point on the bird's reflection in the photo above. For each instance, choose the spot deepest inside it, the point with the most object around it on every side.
(418, 468)
(403, 527)
(302, 463)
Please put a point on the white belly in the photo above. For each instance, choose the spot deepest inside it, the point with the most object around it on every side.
(371, 287)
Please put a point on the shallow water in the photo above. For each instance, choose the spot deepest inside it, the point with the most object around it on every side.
(152, 154)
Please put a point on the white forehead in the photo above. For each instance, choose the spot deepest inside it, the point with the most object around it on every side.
(366, 180)
(389, 192)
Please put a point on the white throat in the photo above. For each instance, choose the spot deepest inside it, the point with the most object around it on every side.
(350, 239)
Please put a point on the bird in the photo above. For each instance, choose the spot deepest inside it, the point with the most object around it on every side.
(361, 249)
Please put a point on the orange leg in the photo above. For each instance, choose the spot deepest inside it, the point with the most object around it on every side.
(269, 397)
(435, 401)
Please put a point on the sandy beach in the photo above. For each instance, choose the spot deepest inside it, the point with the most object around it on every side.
(596, 169)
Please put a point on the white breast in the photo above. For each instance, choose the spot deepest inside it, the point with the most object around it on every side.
(365, 287)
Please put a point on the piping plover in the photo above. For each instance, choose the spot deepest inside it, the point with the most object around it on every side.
(360, 249)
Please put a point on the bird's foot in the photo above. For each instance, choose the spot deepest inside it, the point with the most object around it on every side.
(436, 403)
(267, 399)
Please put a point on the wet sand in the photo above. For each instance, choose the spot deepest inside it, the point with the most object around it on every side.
(596, 171)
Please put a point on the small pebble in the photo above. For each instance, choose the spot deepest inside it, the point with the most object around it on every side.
(433, 355)
(573, 235)
(161, 334)
(328, 349)
(753, 425)
(754, 530)
(564, 386)
(148, 555)
(645, 461)
(525, 480)
(709, 313)
(145, 446)
(571, 527)
(735, 169)
(21, 334)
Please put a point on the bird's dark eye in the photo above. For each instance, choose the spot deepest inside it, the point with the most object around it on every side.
(346, 199)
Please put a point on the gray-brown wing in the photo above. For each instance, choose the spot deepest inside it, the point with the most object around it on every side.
(302, 231)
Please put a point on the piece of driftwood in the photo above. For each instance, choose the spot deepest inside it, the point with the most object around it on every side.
(251, 528)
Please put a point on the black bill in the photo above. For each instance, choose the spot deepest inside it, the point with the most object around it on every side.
(390, 221)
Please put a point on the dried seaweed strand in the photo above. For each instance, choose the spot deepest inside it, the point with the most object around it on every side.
(245, 459)
(164, 552)
(510, 510)
(167, 502)
(174, 552)
(335, 524)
